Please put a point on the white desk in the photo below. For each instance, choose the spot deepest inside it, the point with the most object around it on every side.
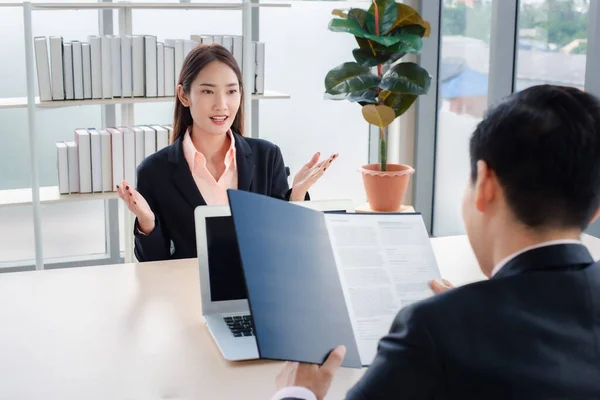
(135, 331)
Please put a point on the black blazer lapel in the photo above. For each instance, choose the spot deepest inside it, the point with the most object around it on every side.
(245, 163)
(557, 257)
(182, 176)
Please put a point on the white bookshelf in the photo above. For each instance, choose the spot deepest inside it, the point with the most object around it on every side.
(47, 195)
(156, 6)
(143, 6)
(21, 102)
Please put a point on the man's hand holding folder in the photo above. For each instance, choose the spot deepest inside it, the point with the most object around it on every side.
(316, 378)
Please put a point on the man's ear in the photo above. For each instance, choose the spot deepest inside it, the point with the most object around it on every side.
(182, 96)
(596, 215)
(486, 186)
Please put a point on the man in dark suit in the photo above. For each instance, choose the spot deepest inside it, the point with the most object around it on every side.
(532, 330)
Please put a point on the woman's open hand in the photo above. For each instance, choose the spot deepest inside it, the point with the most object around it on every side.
(138, 206)
(308, 175)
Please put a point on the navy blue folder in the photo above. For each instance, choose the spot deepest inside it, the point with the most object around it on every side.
(294, 292)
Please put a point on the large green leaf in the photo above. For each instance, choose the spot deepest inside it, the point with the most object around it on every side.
(398, 102)
(412, 29)
(406, 78)
(386, 41)
(350, 77)
(368, 96)
(388, 12)
(406, 43)
(358, 15)
(366, 45)
(367, 59)
(409, 16)
(395, 57)
(347, 25)
(380, 116)
(364, 19)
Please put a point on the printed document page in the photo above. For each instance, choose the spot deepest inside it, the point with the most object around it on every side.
(385, 262)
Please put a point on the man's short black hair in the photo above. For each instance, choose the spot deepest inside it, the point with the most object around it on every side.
(543, 143)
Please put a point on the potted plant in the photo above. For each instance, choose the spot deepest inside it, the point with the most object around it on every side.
(385, 33)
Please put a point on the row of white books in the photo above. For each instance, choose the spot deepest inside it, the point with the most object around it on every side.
(125, 66)
(99, 159)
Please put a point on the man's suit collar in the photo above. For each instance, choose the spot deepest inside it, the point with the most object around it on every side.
(553, 257)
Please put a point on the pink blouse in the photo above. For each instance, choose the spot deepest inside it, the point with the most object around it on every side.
(214, 191)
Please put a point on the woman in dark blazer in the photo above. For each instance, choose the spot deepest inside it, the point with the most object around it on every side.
(208, 154)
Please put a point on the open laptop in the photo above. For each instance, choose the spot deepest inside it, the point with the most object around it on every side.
(222, 283)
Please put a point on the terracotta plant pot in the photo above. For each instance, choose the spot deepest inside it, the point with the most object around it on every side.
(386, 189)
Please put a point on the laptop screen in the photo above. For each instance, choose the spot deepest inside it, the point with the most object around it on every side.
(226, 276)
(225, 272)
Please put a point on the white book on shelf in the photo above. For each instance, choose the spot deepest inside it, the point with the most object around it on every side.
(107, 183)
(73, 162)
(107, 82)
(86, 58)
(151, 66)
(62, 164)
(169, 71)
(96, 65)
(238, 50)
(203, 39)
(149, 141)
(160, 69)
(228, 43)
(129, 167)
(260, 68)
(116, 141)
(96, 150)
(77, 51)
(82, 138)
(177, 45)
(68, 71)
(138, 61)
(43, 68)
(140, 145)
(169, 129)
(126, 67)
(188, 46)
(56, 71)
(115, 47)
(162, 136)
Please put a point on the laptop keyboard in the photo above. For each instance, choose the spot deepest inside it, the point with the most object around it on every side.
(240, 325)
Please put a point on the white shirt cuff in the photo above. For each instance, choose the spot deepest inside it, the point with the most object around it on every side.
(295, 392)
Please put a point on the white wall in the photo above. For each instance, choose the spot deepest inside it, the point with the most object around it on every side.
(298, 58)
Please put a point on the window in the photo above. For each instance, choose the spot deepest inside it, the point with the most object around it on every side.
(552, 43)
(463, 93)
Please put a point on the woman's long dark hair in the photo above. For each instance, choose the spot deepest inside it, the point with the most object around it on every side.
(196, 61)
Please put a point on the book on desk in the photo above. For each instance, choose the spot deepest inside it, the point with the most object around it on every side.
(319, 280)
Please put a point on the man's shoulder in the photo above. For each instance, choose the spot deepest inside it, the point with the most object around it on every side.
(470, 298)
(492, 298)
